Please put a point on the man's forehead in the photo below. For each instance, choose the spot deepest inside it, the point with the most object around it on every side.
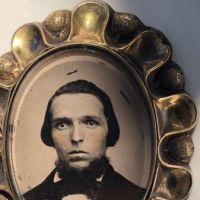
(77, 104)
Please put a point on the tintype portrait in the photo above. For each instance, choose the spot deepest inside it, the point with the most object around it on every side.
(80, 130)
(80, 124)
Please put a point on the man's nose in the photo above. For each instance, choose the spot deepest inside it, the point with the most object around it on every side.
(77, 134)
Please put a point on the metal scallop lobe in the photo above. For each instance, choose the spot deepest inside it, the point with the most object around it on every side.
(27, 44)
(166, 80)
(56, 21)
(174, 183)
(181, 149)
(9, 69)
(172, 78)
(150, 49)
(89, 22)
(56, 26)
(178, 113)
(125, 27)
(179, 183)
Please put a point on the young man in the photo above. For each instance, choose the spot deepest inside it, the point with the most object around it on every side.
(80, 124)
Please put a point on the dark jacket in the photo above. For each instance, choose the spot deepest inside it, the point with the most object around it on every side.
(113, 187)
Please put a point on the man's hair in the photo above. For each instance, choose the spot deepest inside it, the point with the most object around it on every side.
(83, 86)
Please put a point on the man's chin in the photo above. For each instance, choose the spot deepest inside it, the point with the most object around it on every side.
(79, 165)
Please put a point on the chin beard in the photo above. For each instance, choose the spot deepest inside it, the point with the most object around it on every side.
(92, 172)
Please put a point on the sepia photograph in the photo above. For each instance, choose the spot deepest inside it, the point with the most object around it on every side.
(80, 127)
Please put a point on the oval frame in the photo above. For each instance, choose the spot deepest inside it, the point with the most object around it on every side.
(146, 49)
(65, 50)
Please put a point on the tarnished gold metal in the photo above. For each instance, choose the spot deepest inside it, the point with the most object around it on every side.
(95, 23)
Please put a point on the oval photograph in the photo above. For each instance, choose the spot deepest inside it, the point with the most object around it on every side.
(81, 126)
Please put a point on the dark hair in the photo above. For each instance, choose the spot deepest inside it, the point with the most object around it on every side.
(83, 86)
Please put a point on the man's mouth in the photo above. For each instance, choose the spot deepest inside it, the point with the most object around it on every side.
(77, 155)
(77, 152)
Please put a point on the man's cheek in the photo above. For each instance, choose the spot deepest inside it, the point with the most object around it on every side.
(62, 153)
(97, 139)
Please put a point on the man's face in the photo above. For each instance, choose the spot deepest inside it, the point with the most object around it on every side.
(79, 129)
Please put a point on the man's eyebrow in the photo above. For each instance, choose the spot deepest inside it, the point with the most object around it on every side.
(92, 117)
(61, 119)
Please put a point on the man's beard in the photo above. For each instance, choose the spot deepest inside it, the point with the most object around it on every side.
(82, 181)
(92, 172)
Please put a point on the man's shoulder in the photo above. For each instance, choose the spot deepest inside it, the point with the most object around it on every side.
(43, 190)
(117, 187)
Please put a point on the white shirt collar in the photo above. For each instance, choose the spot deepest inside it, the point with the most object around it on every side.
(57, 178)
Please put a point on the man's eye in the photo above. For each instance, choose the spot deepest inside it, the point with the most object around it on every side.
(61, 126)
(91, 123)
